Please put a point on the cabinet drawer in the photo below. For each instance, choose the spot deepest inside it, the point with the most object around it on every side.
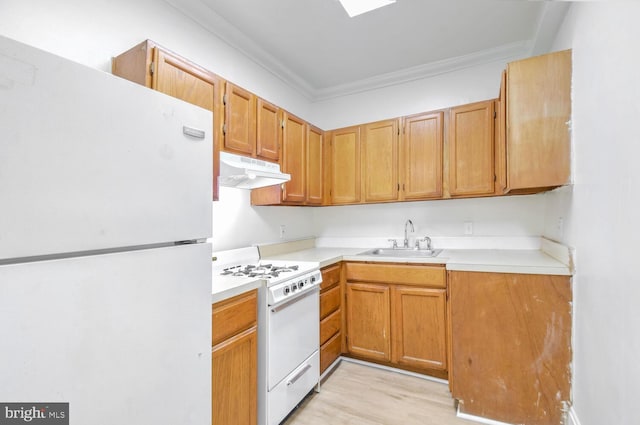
(329, 326)
(229, 317)
(330, 351)
(329, 301)
(330, 276)
(433, 276)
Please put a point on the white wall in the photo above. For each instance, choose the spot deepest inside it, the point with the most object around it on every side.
(93, 31)
(440, 91)
(601, 210)
(505, 216)
(237, 224)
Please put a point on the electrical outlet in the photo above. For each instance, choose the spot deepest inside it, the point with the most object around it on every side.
(468, 228)
(282, 229)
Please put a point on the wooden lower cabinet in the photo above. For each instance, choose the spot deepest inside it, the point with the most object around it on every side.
(369, 321)
(511, 346)
(330, 316)
(419, 331)
(396, 314)
(234, 361)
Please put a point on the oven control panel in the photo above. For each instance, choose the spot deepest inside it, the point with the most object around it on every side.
(295, 286)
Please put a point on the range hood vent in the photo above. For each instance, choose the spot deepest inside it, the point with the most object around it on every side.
(243, 172)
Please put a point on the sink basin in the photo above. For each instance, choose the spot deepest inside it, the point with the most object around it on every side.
(403, 252)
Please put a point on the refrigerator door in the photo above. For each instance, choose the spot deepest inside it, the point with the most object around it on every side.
(91, 161)
(125, 338)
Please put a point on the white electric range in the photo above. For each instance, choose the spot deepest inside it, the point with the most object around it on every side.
(288, 327)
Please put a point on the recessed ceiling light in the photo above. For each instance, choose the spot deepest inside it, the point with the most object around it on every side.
(358, 7)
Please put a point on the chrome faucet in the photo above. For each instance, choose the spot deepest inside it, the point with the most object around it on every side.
(406, 238)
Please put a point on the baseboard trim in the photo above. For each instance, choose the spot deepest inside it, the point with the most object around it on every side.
(478, 419)
(572, 417)
(393, 369)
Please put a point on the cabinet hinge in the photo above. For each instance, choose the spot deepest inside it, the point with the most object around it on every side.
(152, 68)
(224, 99)
(282, 124)
(224, 128)
(495, 115)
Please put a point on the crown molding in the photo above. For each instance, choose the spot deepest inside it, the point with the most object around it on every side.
(550, 20)
(500, 53)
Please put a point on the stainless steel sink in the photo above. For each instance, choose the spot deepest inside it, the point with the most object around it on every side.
(402, 252)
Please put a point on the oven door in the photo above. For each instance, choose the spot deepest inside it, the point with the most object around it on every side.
(294, 334)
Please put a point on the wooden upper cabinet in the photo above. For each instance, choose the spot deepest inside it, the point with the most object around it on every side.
(380, 161)
(240, 120)
(269, 127)
(538, 111)
(157, 68)
(500, 133)
(345, 166)
(421, 156)
(471, 149)
(294, 139)
(315, 166)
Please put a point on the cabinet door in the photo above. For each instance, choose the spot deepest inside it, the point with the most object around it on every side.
(471, 149)
(538, 111)
(368, 321)
(315, 170)
(419, 327)
(181, 79)
(421, 156)
(268, 131)
(234, 377)
(380, 161)
(345, 166)
(240, 120)
(294, 137)
(511, 345)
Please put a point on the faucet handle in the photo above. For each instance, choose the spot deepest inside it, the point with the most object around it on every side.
(426, 239)
(395, 243)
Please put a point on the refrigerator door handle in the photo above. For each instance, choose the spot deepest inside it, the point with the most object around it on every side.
(193, 132)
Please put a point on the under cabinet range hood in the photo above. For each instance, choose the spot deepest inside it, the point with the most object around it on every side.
(243, 172)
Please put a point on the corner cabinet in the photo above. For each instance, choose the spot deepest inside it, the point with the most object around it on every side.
(537, 94)
(396, 314)
(511, 345)
(234, 360)
(159, 69)
(302, 156)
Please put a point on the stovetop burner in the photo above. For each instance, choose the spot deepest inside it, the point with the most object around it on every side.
(267, 271)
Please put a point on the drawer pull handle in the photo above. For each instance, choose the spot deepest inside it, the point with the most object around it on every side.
(298, 375)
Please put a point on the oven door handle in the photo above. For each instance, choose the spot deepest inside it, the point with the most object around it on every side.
(298, 375)
(280, 307)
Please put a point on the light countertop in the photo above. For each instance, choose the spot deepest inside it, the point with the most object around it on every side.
(224, 287)
(481, 260)
(525, 261)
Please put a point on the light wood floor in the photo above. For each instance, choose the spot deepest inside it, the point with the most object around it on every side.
(356, 394)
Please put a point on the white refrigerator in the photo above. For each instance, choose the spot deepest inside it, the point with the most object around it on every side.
(105, 269)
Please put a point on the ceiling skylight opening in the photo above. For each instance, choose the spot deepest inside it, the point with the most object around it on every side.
(358, 7)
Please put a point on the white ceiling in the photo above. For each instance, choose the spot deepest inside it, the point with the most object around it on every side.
(316, 48)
